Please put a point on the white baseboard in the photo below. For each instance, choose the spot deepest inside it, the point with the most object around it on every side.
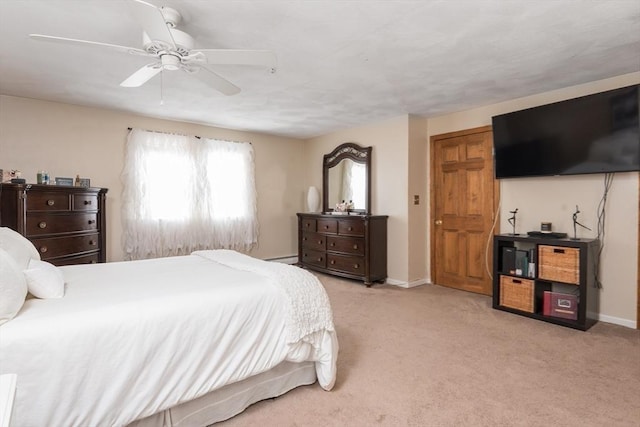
(617, 321)
(407, 285)
(285, 259)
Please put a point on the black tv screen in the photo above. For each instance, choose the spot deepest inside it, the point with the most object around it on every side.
(597, 133)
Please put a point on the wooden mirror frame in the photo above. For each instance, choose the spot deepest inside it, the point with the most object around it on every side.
(348, 150)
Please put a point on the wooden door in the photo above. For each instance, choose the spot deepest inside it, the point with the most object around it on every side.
(464, 198)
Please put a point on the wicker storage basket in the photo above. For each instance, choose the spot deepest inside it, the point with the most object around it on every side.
(516, 293)
(559, 264)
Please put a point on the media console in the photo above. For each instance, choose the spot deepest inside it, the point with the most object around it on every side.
(547, 279)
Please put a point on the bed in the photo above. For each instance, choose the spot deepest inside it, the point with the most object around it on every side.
(179, 341)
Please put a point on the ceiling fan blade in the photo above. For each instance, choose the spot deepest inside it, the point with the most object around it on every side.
(216, 81)
(264, 58)
(152, 22)
(143, 75)
(64, 40)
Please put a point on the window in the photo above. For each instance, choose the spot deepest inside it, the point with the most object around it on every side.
(183, 194)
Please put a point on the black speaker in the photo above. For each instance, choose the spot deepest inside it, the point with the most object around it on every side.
(509, 260)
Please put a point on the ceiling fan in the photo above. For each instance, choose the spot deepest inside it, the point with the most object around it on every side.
(173, 50)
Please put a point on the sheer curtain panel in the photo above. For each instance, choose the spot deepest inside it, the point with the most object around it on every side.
(183, 194)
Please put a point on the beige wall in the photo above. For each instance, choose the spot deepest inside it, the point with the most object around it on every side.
(68, 140)
(388, 175)
(418, 214)
(555, 198)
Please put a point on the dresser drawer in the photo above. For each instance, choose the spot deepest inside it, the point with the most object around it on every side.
(314, 241)
(345, 263)
(327, 226)
(351, 228)
(85, 202)
(81, 259)
(43, 201)
(312, 257)
(59, 246)
(39, 224)
(308, 224)
(349, 245)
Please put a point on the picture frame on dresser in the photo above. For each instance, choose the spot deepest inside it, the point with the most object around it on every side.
(66, 224)
(67, 182)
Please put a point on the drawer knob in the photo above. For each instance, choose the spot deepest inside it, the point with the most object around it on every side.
(92, 243)
(320, 259)
(333, 243)
(51, 202)
(92, 221)
(356, 265)
(308, 225)
(326, 227)
(43, 249)
(42, 224)
(350, 228)
(355, 246)
(333, 261)
(87, 202)
(304, 239)
(319, 242)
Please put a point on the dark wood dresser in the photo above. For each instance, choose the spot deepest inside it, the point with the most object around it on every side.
(352, 246)
(66, 224)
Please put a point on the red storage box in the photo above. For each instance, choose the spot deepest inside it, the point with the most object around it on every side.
(562, 305)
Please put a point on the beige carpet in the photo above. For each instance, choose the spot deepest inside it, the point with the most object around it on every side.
(433, 356)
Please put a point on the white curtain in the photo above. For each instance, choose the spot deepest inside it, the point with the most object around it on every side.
(183, 194)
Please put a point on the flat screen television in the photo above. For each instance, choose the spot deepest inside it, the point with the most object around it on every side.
(597, 133)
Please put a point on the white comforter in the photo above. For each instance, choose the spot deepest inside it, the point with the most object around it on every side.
(130, 339)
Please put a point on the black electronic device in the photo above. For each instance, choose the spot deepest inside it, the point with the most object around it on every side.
(550, 235)
(597, 133)
(18, 181)
(509, 260)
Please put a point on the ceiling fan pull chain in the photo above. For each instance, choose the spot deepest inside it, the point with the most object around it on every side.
(162, 87)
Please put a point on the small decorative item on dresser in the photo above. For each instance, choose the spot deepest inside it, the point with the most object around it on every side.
(67, 182)
(84, 182)
(8, 175)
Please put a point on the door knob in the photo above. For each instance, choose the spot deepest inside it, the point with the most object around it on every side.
(438, 222)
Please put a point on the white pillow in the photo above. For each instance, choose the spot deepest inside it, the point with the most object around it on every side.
(18, 246)
(44, 280)
(13, 287)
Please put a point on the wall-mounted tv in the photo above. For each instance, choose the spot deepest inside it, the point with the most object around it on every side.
(597, 133)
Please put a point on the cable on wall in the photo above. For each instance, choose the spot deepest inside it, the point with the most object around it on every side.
(602, 206)
(489, 238)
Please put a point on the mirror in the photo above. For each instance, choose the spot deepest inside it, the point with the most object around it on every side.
(346, 176)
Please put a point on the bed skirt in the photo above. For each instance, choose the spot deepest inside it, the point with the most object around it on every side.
(224, 403)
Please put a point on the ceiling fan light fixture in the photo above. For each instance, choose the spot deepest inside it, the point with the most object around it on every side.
(170, 62)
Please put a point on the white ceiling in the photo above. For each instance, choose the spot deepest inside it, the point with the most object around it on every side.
(341, 63)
